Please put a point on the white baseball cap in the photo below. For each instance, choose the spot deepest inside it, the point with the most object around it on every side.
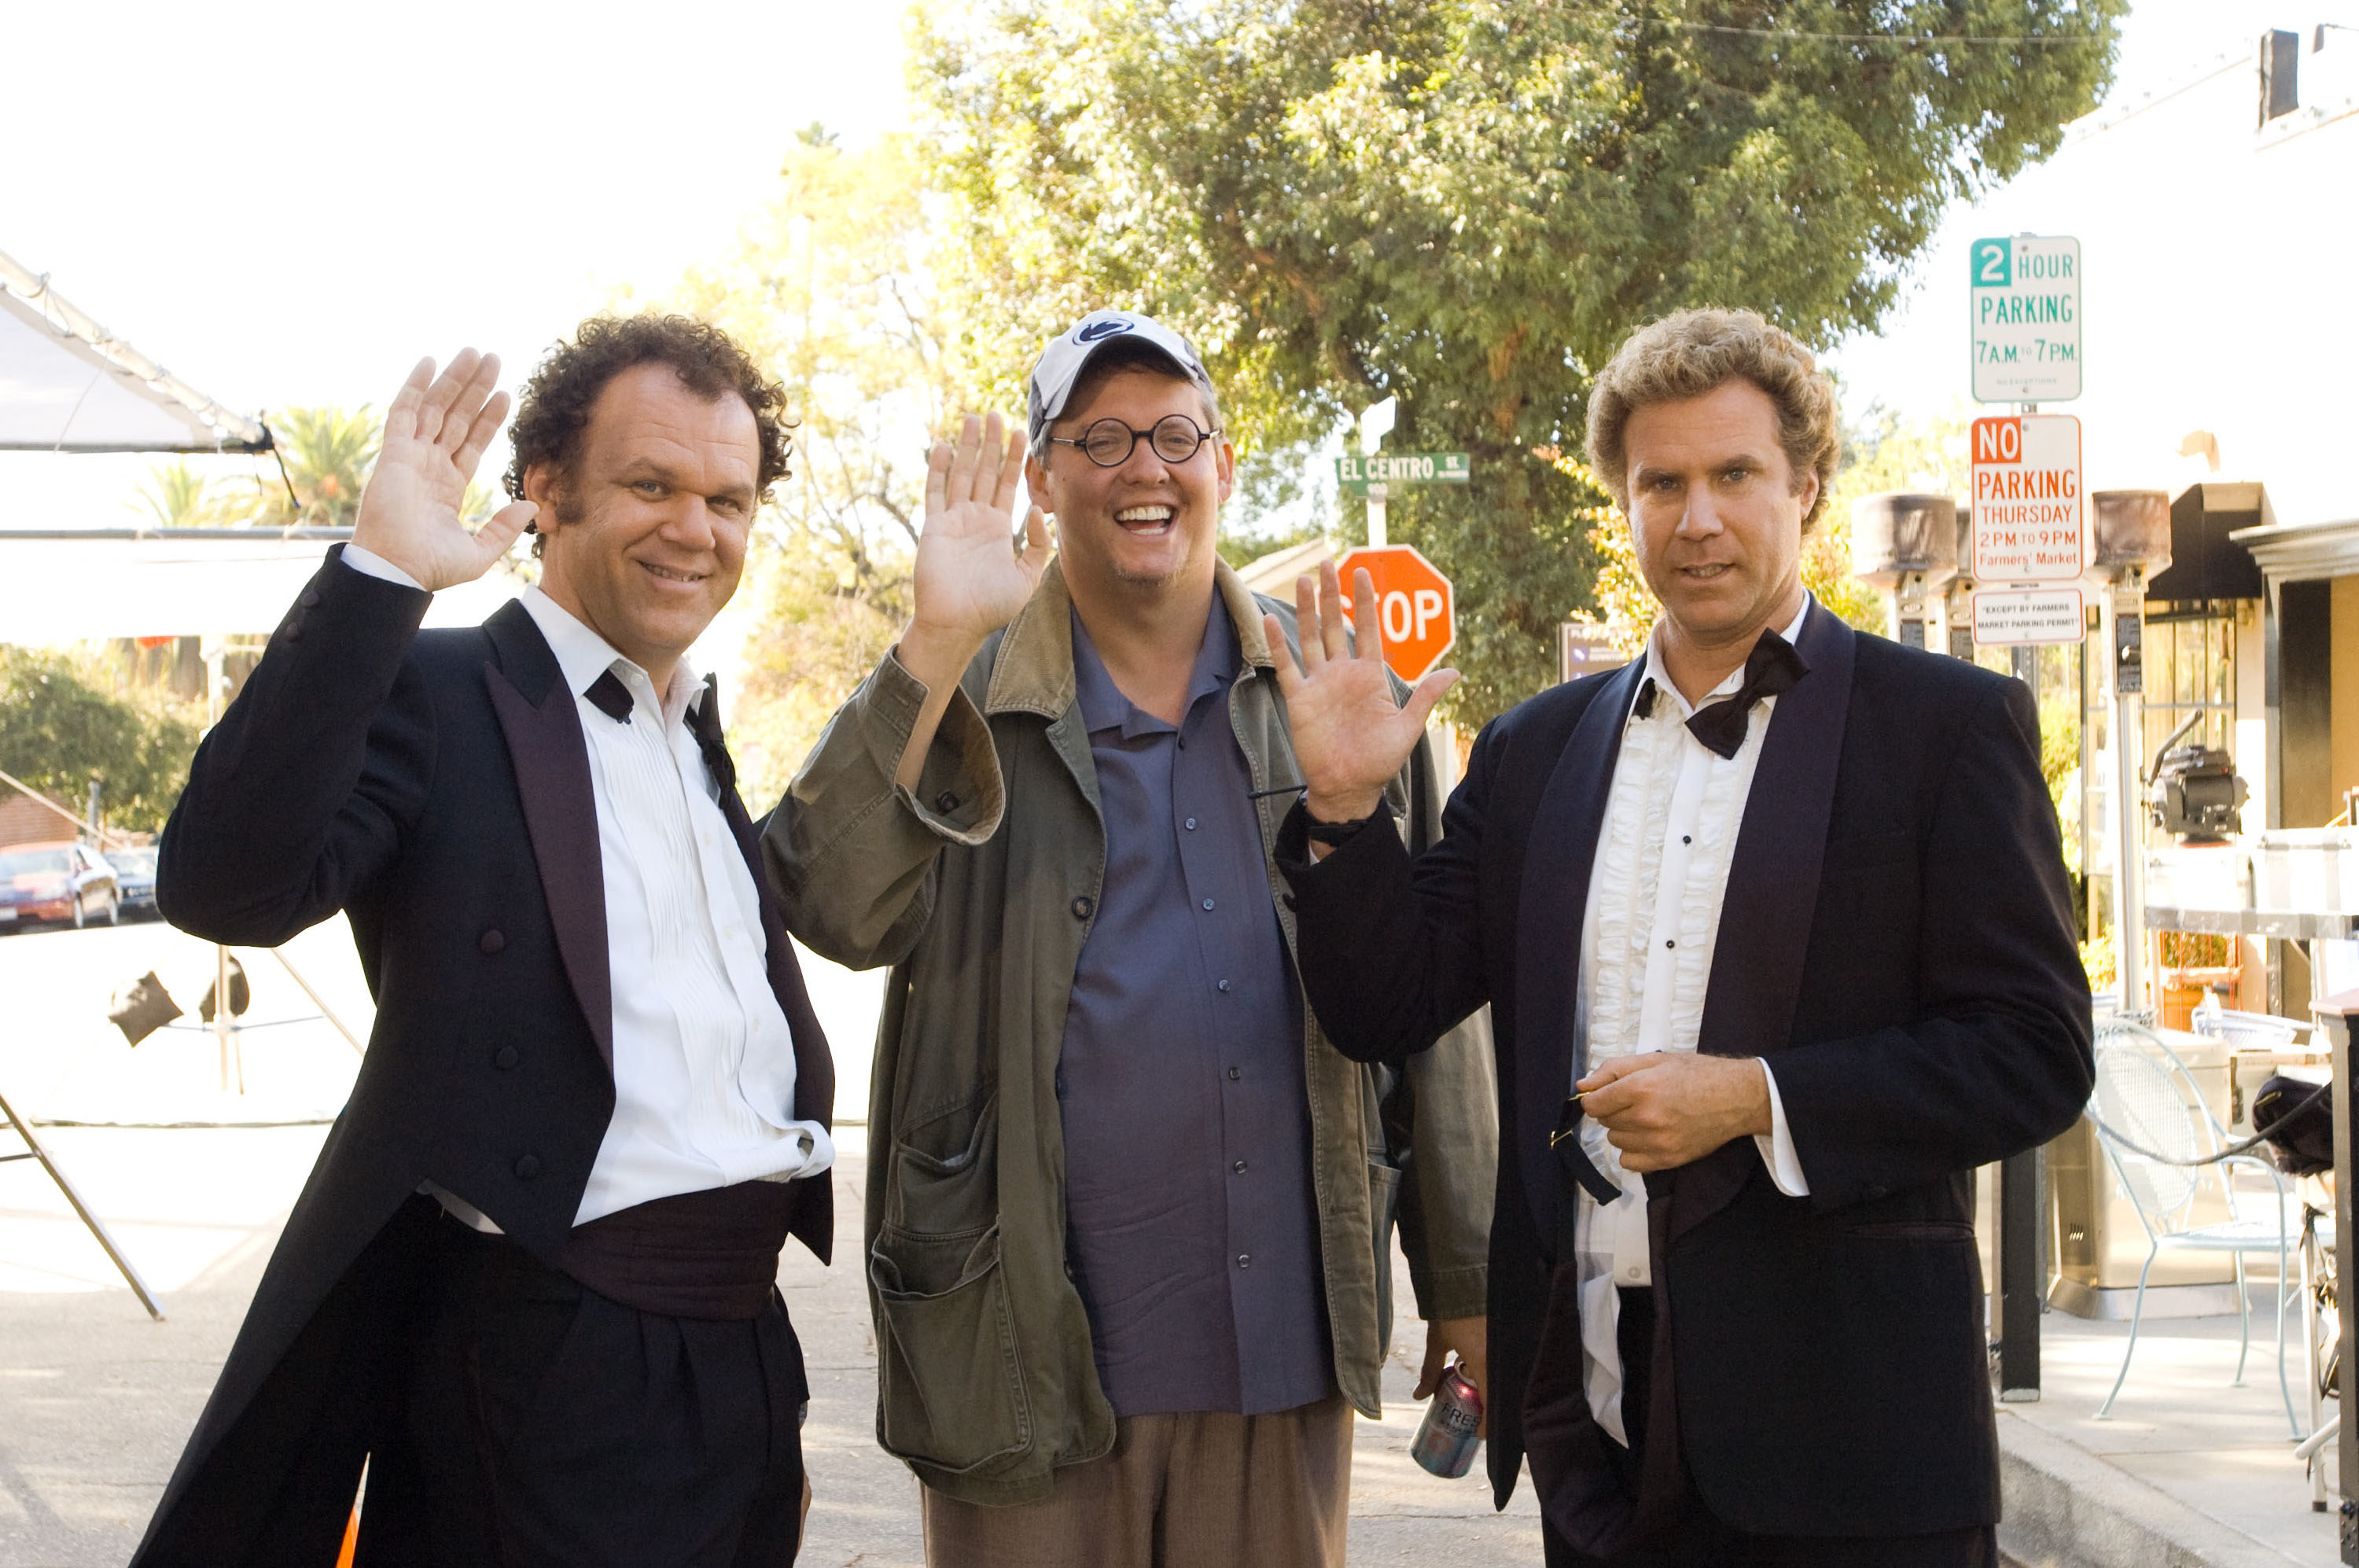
(1069, 353)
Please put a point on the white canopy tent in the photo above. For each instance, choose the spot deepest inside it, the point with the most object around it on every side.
(69, 384)
(63, 585)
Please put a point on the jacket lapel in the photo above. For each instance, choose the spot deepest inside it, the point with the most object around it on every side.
(543, 728)
(1772, 889)
(814, 1064)
(1548, 936)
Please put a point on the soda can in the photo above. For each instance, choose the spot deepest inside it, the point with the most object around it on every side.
(1445, 1441)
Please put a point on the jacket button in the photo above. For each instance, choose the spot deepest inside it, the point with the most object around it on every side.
(309, 597)
(946, 802)
(491, 942)
(1084, 907)
(293, 630)
(528, 1168)
(506, 1058)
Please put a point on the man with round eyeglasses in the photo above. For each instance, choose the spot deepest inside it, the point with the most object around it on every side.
(1128, 1216)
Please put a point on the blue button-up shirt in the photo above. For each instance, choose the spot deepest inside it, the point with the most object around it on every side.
(1193, 1230)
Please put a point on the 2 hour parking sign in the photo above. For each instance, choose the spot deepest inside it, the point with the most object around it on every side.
(2025, 302)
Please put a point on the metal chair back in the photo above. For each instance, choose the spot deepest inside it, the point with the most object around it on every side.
(2146, 1097)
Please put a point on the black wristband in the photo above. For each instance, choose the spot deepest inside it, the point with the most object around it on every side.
(1333, 833)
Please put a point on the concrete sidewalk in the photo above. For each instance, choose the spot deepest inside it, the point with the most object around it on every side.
(2189, 1469)
(96, 1400)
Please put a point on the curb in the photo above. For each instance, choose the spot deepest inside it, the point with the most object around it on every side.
(2068, 1509)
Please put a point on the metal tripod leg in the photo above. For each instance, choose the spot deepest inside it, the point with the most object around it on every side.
(35, 1151)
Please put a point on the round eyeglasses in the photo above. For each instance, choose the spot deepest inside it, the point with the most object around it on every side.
(1109, 442)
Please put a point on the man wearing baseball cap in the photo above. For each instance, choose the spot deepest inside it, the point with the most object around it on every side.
(1128, 1214)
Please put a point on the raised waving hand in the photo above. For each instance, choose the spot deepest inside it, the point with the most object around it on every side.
(969, 579)
(435, 434)
(1349, 735)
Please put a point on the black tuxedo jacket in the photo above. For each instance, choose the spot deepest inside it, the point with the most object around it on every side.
(436, 787)
(1897, 941)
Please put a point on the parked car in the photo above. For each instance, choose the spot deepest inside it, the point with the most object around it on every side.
(63, 882)
(135, 880)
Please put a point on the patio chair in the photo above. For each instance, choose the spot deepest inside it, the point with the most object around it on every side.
(2146, 1097)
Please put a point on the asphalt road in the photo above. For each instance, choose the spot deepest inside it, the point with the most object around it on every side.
(95, 1399)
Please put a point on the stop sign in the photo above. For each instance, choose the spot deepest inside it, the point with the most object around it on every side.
(1414, 606)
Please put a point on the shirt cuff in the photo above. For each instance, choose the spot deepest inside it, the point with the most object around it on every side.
(1777, 1149)
(368, 563)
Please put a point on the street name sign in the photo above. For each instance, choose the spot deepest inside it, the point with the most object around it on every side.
(2028, 524)
(2025, 302)
(1415, 607)
(1386, 468)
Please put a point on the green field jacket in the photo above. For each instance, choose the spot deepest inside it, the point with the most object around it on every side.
(978, 888)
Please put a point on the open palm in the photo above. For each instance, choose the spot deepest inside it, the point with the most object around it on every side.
(1349, 735)
(969, 579)
(435, 434)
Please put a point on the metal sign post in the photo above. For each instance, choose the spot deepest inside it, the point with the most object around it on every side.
(1376, 423)
(2029, 549)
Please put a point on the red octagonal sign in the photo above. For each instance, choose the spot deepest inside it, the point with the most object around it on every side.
(1414, 606)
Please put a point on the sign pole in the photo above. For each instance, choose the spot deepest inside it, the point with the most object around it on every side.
(2129, 740)
(1376, 423)
(2019, 1196)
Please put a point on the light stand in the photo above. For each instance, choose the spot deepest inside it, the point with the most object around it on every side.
(35, 1150)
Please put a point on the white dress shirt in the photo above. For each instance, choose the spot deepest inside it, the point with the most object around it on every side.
(704, 1061)
(1651, 924)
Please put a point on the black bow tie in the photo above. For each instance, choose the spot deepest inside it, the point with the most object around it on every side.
(610, 697)
(1771, 669)
(705, 723)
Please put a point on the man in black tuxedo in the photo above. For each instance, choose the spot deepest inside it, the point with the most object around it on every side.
(1775, 931)
(532, 1280)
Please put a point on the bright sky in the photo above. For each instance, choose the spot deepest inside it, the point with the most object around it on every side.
(287, 203)
(2219, 290)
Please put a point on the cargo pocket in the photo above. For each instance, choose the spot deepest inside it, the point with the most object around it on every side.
(947, 1180)
(949, 1389)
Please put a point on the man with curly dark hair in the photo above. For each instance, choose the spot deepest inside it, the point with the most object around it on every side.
(531, 1281)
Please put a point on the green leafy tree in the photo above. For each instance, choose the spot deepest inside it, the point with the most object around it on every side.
(831, 287)
(175, 496)
(329, 453)
(59, 728)
(1468, 203)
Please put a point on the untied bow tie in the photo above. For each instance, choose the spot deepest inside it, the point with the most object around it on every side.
(612, 698)
(1771, 669)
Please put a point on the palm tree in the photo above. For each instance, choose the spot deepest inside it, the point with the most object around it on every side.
(175, 496)
(328, 453)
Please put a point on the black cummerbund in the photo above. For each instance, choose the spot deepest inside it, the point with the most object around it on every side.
(711, 1255)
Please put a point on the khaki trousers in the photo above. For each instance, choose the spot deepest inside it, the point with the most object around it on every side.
(1198, 1490)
